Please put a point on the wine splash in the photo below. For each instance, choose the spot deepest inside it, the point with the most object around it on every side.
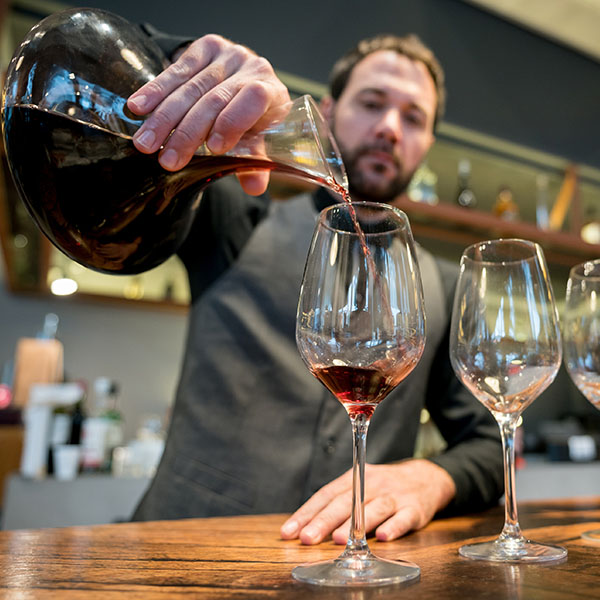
(371, 269)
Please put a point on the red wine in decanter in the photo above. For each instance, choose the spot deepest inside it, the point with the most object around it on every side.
(102, 202)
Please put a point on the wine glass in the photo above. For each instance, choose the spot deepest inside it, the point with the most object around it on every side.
(505, 347)
(361, 330)
(581, 333)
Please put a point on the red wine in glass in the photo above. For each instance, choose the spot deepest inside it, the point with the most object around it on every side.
(361, 389)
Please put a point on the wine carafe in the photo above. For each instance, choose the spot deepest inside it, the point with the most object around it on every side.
(68, 137)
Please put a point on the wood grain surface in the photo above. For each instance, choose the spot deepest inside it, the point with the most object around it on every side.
(243, 557)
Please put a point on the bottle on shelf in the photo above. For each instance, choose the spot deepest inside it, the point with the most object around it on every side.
(465, 196)
(103, 431)
(505, 206)
(542, 202)
(422, 187)
(114, 430)
(78, 417)
(66, 422)
(60, 429)
(49, 328)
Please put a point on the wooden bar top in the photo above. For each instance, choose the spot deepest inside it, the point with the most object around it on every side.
(243, 557)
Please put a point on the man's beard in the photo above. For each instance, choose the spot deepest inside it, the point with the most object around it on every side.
(361, 187)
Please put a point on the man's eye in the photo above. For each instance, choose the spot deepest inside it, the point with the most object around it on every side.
(415, 119)
(371, 105)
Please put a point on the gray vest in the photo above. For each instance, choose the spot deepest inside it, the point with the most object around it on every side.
(252, 430)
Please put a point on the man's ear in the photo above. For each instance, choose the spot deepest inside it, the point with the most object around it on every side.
(327, 105)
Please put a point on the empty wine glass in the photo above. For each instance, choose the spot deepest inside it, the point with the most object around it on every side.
(505, 347)
(581, 334)
(361, 330)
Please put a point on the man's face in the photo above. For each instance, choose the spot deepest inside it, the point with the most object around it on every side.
(383, 123)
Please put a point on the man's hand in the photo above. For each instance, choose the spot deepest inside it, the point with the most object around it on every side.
(399, 497)
(214, 92)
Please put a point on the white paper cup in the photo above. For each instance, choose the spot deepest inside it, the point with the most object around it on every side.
(66, 461)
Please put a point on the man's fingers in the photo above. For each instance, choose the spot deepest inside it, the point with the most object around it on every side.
(254, 183)
(215, 92)
(376, 512)
(292, 527)
(327, 520)
(189, 111)
(382, 516)
(341, 534)
(206, 64)
(317, 502)
(220, 117)
(194, 128)
(403, 521)
(400, 498)
(195, 58)
(177, 112)
(238, 116)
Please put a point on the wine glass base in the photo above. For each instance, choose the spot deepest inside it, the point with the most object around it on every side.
(357, 572)
(592, 535)
(523, 551)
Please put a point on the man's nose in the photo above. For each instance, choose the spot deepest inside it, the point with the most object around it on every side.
(390, 126)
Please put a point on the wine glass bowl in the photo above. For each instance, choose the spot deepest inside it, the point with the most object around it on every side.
(505, 347)
(360, 329)
(581, 336)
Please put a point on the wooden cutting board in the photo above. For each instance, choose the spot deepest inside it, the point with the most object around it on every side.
(36, 361)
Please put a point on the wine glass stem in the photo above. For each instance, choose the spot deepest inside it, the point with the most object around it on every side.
(357, 541)
(508, 427)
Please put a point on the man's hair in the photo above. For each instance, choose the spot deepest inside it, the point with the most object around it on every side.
(409, 45)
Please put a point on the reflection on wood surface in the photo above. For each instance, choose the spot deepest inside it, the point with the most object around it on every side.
(243, 557)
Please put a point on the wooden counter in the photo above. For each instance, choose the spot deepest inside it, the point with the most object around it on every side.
(243, 557)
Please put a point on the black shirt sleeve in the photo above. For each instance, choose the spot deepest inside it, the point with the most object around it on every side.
(168, 43)
(225, 220)
(473, 457)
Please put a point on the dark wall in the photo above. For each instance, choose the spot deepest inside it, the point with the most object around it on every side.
(502, 80)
